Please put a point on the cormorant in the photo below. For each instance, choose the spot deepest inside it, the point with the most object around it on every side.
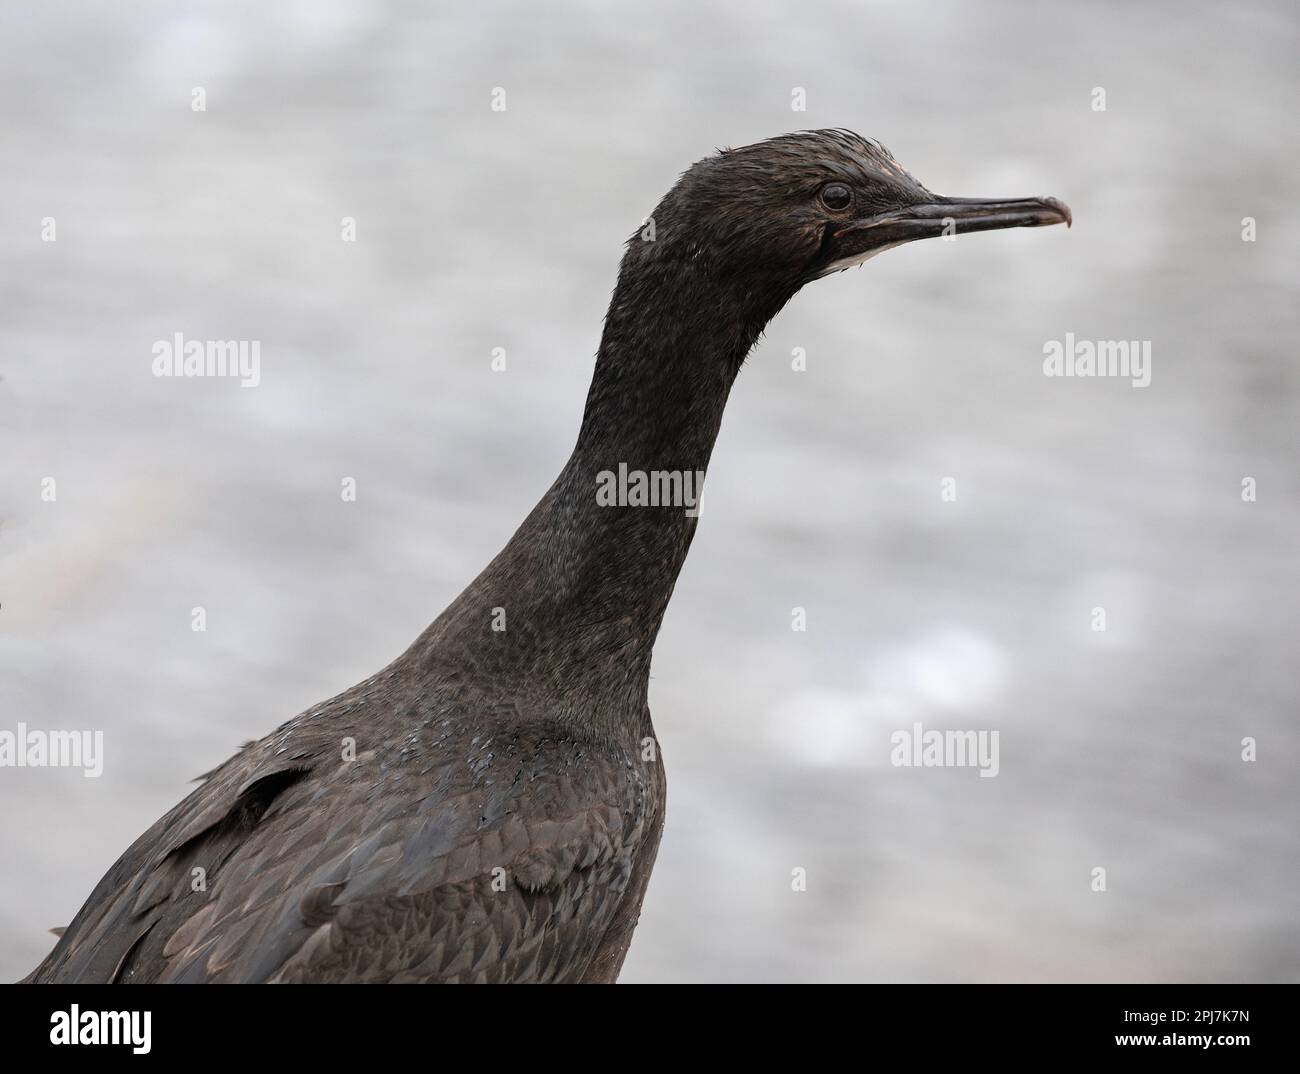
(488, 806)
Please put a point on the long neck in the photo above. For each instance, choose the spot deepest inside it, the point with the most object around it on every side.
(568, 611)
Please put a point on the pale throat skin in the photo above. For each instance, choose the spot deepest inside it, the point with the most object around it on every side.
(501, 817)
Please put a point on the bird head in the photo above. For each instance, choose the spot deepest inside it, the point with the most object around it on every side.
(778, 214)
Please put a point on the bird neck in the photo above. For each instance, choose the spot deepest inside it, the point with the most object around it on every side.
(585, 581)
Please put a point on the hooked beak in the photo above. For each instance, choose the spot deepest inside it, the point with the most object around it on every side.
(861, 239)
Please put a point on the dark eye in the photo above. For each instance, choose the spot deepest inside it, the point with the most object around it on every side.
(836, 196)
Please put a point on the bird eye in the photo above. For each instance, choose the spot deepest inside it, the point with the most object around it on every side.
(836, 196)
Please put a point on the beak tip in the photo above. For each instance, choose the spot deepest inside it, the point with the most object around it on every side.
(1062, 208)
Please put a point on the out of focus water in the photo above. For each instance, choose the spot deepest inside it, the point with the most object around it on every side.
(479, 229)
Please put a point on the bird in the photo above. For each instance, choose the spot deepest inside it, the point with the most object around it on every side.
(488, 807)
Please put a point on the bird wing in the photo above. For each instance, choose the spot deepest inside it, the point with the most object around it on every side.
(506, 862)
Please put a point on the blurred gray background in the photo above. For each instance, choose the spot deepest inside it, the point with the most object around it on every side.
(479, 229)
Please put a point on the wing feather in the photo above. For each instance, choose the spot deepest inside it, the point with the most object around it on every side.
(508, 863)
